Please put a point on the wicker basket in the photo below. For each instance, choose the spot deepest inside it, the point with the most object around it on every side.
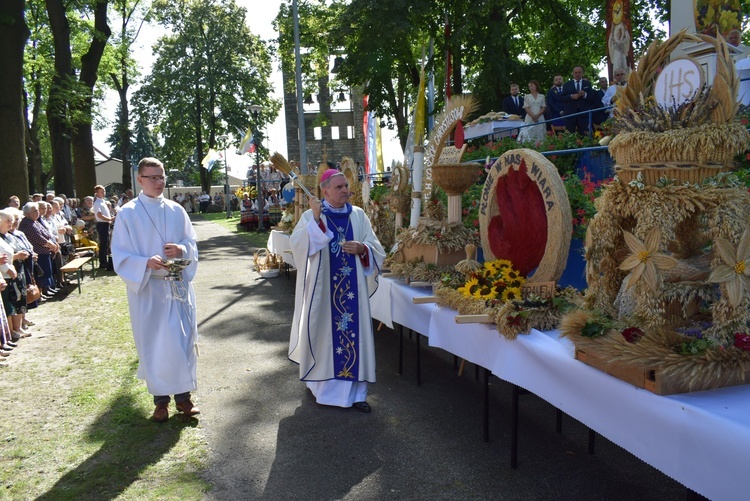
(680, 172)
(267, 264)
(455, 179)
(704, 144)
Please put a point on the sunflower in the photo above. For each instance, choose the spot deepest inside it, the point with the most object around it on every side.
(735, 269)
(511, 275)
(469, 287)
(645, 260)
(486, 293)
(511, 294)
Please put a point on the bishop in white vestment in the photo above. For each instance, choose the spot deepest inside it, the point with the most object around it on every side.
(337, 251)
(149, 230)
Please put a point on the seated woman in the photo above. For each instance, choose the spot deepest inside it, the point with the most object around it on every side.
(247, 204)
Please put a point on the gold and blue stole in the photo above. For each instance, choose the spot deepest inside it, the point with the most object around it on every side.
(344, 296)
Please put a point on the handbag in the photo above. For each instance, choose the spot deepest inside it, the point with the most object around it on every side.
(32, 292)
(67, 248)
(38, 271)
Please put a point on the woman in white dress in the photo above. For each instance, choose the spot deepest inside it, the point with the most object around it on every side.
(534, 104)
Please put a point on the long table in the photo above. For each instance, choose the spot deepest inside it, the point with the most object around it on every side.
(700, 439)
(495, 128)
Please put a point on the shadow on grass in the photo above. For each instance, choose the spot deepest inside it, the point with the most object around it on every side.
(130, 443)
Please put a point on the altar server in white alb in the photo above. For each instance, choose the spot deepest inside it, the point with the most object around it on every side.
(338, 258)
(149, 230)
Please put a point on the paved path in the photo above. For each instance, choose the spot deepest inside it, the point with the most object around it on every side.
(268, 439)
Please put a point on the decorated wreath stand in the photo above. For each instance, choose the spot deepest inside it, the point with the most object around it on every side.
(435, 241)
(668, 252)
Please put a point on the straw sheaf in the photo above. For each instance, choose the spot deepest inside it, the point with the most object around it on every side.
(689, 217)
(418, 270)
(399, 203)
(469, 265)
(349, 168)
(453, 299)
(706, 143)
(657, 351)
(445, 123)
(543, 318)
(723, 91)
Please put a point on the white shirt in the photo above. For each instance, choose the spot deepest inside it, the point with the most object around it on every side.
(101, 206)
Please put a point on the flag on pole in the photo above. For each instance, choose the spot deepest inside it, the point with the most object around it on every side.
(365, 128)
(210, 159)
(378, 147)
(248, 142)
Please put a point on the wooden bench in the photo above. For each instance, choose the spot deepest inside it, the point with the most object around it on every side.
(84, 248)
(76, 266)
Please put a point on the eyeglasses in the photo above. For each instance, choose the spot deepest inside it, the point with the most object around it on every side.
(155, 179)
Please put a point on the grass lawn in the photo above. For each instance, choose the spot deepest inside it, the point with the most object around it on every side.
(76, 422)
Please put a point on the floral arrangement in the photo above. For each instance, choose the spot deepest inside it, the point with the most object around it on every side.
(495, 290)
(250, 190)
(287, 219)
(495, 280)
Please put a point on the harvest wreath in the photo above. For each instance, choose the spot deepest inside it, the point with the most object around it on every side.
(668, 252)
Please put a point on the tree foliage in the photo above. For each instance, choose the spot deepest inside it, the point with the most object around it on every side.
(209, 68)
(492, 42)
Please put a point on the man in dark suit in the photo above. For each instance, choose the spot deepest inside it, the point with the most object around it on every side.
(577, 96)
(600, 116)
(554, 103)
(513, 104)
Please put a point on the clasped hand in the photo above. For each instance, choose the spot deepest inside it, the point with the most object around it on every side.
(171, 251)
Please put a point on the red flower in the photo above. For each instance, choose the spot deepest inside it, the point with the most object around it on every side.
(581, 212)
(632, 334)
(476, 222)
(514, 320)
(742, 341)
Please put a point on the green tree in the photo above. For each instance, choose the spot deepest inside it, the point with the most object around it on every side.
(206, 74)
(492, 42)
(132, 16)
(13, 36)
(71, 94)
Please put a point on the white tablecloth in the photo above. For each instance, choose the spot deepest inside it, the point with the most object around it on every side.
(380, 302)
(700, 439)
(498, 128)
(394, 302)
(278, 243)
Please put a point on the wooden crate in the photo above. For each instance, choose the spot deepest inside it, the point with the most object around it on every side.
(647, 378)
(633, 375)
(430, 255)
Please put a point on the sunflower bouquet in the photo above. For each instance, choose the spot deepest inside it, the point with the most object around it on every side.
(495, 280)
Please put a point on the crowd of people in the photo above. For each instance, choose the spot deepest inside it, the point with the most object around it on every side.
(37, 238)
(565, 104)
